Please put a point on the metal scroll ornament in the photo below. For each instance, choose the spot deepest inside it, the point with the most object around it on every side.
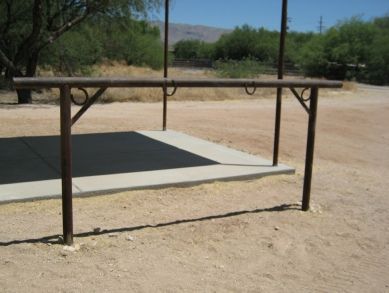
(77, 101)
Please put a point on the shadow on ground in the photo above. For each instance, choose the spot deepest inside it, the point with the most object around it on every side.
(55, 239)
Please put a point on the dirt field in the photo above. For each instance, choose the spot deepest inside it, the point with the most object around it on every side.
(247, 236)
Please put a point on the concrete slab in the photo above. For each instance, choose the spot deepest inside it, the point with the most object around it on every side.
(119, 161)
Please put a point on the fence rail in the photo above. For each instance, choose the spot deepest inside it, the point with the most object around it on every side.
(99, 82)
(267, 68)
(192, 63)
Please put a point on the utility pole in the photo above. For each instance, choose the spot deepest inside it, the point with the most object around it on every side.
(321, 25)
(289, 21)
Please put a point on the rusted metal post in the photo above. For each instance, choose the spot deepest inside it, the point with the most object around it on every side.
(281, 54)
(66, 165)
(310, 148)
(165, 63)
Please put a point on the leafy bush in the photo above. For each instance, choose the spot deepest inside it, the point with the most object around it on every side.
(193, 49)
(246, 42)
(113, 38)
(145, 50)
(312, 58)
(377, 67)
(354, 49)
(74, 52)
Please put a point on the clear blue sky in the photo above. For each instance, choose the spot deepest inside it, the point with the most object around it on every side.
(304, 14)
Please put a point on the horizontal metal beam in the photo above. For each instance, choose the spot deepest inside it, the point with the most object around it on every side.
(93, 82)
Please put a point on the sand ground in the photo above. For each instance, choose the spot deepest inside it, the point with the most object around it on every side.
(244, 236)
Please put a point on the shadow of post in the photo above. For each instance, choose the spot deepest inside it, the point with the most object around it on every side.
(54, 239)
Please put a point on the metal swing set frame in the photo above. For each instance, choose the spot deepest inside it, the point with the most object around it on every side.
(66, 84)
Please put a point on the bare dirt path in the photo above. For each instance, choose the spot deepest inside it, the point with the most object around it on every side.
(246, 236)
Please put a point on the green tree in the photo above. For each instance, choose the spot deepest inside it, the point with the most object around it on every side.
(350, 41)
(295, 41)
(193, 49)
(247, 42)
(145, 47)
(136, 42)
(313, 58)
(28, 27)
(377, 67)
(341, 52)
(74, 51)
(105, 37)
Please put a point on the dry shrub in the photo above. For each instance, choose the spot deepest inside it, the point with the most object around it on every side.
(349, 86)
(155, 94)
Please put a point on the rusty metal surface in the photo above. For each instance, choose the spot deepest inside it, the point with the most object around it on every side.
(310, 148)
(277, 127)
(66, 165)
(165, 65)
(283, 32)
(280, 75)
(99, 82)
(166, 41)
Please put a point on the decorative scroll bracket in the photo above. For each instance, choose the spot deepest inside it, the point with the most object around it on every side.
(252, 92)
(89, 102)
(80, 103)
(301, 99)
(166, 92)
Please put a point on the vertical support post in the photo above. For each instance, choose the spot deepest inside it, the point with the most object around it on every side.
(310, 148)
(281, 55)
(66, 165)
(165, 63)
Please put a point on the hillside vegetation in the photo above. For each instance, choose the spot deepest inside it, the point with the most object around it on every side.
(353, 49)
(74, 39)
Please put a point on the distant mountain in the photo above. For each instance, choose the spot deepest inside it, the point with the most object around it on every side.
(178, 32)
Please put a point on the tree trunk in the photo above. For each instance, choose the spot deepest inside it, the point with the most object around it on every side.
(24, 96)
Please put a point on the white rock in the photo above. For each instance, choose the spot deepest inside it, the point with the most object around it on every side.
(72, 248)
(130, 238)
(63, 253)
(69, 248)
